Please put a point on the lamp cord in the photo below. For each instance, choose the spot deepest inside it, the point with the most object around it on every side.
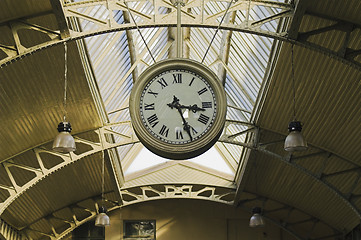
(219, 25)
(141, 35)
(65, 77)
(293, 84)
(103, 172)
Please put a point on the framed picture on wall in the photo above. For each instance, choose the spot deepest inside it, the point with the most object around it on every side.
(139, 229)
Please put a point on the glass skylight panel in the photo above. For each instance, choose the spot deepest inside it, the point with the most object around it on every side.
(247, 62)
(145, 159)
(212, 159)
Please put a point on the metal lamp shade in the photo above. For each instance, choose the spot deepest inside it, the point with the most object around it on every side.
(102, 220)
(256, 220)
(64, 142)
(295, 142)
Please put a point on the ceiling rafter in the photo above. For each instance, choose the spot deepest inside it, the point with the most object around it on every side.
(225, 48)
(155, 20)
(40, 154)
(80, 215)
(254, 144)
(284, 223)
(131, 46)
(350, 54)
(145, 193)
(130, 138)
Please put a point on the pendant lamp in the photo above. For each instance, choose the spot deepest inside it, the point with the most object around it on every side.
(294, 141)
(256, 219)
(102, 218)
(64, 142)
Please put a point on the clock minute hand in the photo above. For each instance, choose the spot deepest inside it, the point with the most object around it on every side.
(175, 104)
(186, 125)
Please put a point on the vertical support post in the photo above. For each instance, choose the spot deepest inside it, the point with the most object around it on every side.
(179, 5)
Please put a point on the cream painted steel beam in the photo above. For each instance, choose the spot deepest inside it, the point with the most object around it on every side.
(297, 18)
(320, 177)
(286, 224)
(146, 193)
(60, 18)
(18, 51)
(72, 10)
(225, 48)
(150, 193)
(14, 190)
(131, 46)
(129, 137)
(132, 196)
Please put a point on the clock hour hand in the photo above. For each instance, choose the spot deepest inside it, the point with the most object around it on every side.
(194, 108)
(175, 103)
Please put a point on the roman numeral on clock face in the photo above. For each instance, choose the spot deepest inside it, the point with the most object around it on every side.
(164, 131)
(149, 106)
(154, 93)
(179, 134)
(153, 120)
(203, 90)
(206, 104)
(177, 78)
(162, 82)
(190, 84)
(203, 119)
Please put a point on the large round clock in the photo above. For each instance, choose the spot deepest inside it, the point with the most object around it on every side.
(178, 108)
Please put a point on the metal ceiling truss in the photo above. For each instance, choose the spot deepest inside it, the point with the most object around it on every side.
(189, 19)
(109, 137)
(122, 134)
(349, 30)
(284, 222)
(78, 213)
(18, 50)
(319, 175)
(128, 197)
(87, 210)
(148, 193)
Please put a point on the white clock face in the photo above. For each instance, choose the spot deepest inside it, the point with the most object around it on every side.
(178, 106)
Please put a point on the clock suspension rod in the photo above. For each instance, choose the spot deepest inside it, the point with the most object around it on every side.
(179, 4)
(219, 25)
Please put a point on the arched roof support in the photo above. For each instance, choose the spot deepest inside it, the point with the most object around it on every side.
(127, 137)
(346, 55)
(141, 194)
(320, 176)
(41, 153)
